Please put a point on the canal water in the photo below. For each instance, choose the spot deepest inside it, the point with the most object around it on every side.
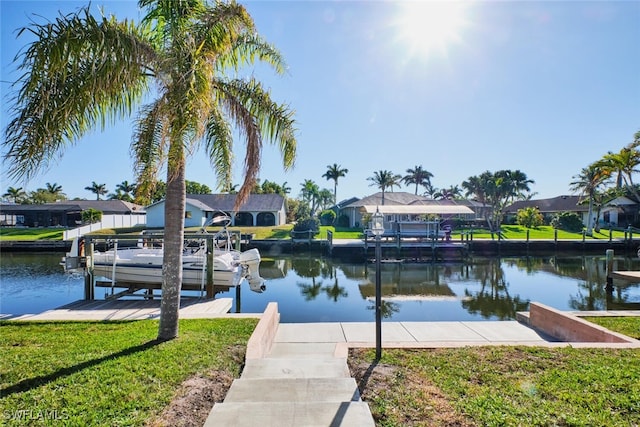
(315, 289)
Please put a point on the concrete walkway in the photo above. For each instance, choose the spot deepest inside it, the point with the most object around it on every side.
(102, 310)
(304, 379)
(296, 374)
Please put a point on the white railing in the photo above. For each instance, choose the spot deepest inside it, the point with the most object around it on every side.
(108, 221)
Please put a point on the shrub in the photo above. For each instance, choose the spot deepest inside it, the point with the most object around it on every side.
(327, 217)
(307, 224)
(302, 211)
(343, 221)
(91, 215)
(530, 217)
(568, 221)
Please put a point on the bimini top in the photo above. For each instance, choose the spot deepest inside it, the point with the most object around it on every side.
(418, 209)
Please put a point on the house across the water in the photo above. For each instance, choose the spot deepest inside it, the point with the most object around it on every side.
(66, 213)
(258, 210)
(619, 212)
(405, 211)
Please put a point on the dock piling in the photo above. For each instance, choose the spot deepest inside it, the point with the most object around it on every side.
(609, 257)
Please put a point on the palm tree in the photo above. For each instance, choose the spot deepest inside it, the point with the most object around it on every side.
(119, 195)
(623, 164)
(325, 197)
(97, 189)
(54, 188)
(334, 172)
(516, 184)
(16, 194)
(588, 182)
(384, 179)
(309, 193)
(285, 189)
(52, 192)
(126, 188)
(418, 176)
(496, 190)
(184, 57)
(452, 193)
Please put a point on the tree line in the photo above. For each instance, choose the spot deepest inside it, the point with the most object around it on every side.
(599, 183)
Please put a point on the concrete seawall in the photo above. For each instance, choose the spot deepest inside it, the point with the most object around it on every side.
(273, 247)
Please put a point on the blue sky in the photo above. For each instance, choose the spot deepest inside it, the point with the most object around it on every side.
(544, 87)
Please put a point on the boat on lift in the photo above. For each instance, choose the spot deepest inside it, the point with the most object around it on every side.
(143, 265)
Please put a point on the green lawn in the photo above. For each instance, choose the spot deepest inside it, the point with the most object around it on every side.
(513, 232)
(504, 386)
(630, 326)
(109, 373)
(28, 234)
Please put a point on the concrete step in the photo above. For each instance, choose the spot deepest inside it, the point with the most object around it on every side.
(293, 390)
(289, 414)
(302, 350)
(296, 368)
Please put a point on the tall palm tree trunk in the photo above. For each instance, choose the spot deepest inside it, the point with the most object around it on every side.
(175, 203)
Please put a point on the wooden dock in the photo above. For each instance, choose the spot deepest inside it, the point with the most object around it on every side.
(102, 310)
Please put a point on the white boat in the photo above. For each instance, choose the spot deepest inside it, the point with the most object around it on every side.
(143, 265)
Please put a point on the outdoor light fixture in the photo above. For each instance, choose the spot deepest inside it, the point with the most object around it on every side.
(377, 223)
(377, 228)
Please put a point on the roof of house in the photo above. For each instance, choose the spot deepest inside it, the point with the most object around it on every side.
(105, 206)
(554, 204)
(390, 198)
(438, 209)
(226, 202)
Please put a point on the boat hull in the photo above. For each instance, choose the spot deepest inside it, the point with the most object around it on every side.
(194, 276)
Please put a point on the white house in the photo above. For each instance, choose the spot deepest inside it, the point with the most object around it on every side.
(402, 207)
(618, 212)
(258, 210)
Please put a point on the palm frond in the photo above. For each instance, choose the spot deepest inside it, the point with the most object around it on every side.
(275, 121)
(148, 148)
(79, 73)
(218, 144)
(248, 48)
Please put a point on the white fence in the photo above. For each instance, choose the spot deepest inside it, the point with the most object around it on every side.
(108, 221)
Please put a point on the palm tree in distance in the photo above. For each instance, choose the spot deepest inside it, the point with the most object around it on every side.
(335, 172)
(82, 71)
(588, 182)
(452, 193)
(310, 192)
(384, 179)
(97, 189)
(15, 194)
(126, 187)
(418, 176)
(623, 164)
(54, 188)
(53, 192)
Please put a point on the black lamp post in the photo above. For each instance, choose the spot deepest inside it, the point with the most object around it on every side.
(377, 228)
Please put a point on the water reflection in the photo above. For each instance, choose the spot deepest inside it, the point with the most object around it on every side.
(487, 290)
(312, 288)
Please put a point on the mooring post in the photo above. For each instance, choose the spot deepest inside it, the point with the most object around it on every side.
(210, 245)
(238, 303)
(89, 290)
(609, 257)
